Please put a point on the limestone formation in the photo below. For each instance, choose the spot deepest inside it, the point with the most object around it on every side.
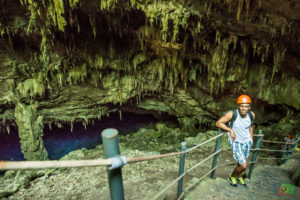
(79, 60)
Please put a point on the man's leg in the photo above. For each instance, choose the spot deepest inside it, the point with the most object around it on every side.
(238, 170)
(238, 150)
(236, 175)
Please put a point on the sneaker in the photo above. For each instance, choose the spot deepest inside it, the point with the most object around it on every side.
(241, 181)
(232, 181)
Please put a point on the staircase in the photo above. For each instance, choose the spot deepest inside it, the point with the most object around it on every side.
(263, 184)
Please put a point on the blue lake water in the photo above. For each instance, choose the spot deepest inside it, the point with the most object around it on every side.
(60, 141)
(10, 148)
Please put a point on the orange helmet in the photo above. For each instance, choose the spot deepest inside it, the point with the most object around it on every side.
(243, 99)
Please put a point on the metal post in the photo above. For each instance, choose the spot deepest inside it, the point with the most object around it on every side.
(111, 149)
(292, 146)
(215, 161)
(295, 145)
(181, 169)
(257, 146)
(283, 152)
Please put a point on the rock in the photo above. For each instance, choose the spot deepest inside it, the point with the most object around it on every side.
(296, 176)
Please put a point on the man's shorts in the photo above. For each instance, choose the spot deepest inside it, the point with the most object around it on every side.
(240, 150)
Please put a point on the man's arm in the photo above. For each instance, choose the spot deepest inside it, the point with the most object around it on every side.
(251, 132)
(251, 127)
(221, 123)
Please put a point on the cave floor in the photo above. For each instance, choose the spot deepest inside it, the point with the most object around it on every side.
(141, 180)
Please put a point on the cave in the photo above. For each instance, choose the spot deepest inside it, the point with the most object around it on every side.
(169, 69)
(61, 138)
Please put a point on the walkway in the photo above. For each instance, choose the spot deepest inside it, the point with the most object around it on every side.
(262, 186)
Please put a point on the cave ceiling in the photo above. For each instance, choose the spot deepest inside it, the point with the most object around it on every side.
(62, 61)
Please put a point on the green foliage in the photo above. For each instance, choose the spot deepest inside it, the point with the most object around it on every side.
(188, 125)
(158, 139)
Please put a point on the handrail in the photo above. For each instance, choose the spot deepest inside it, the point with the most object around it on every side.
(217, 136)
(175, 181)
(278, 142)
(270, 141)
(191, 186)
(275, 150)
(265, 158)
(295, 141)
(25, 165)
(234, 164)
(257, 135)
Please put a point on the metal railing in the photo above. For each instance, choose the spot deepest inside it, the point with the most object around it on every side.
(113, 159)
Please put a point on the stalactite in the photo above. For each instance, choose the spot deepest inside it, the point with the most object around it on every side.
(248, 6)
(93, 24)
(239, 9)
(73, 3)
(244, 46)
(50, 126)
(235, 40)
(175, 29)
(8, 129)
(164, 24)
(31, 88)
(77, 74)
(279, 53)
(84, 124)
(56, 8)
(120, 113)
(273, 31)
(108, 4)
(260, 5)
(33, 16)
(218, 37)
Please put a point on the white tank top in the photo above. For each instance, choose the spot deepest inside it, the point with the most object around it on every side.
(241, 128)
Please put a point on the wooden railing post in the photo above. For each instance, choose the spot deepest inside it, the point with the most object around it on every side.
(215, 161)
(111, 149)
(257, 146)
(181, 169)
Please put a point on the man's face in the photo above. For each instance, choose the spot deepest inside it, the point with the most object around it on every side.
(243, 108)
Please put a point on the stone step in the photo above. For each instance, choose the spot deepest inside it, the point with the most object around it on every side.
(263, 185)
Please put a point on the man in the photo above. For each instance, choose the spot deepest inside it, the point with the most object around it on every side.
(240, 136)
